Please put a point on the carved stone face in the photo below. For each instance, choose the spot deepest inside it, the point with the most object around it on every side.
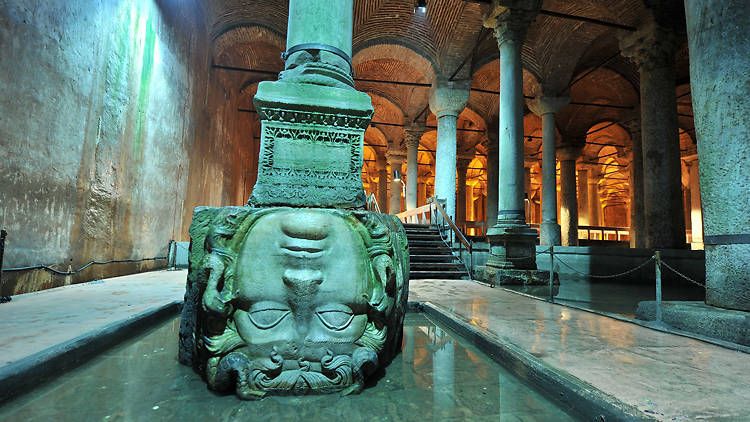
(293, 301)
(302, 287)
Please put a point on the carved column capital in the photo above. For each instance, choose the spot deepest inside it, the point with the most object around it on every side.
(462, 164)
(395, 158)
(650, 47)
(510, 19)
(569, 152)
(449, 98)
(412, 135)
(546, 105)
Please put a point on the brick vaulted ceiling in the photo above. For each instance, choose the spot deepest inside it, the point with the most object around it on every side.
(392, 43)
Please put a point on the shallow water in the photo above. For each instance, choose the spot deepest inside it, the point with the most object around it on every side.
(438, 376)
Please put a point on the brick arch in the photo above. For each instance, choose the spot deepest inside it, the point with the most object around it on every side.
(487, 77)
(249, 46)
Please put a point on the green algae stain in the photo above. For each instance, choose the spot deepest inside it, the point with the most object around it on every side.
(144, 86)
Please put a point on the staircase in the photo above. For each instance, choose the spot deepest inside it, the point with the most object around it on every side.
(430, 256)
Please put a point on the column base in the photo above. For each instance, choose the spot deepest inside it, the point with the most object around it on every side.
(550, 234)
(512, 247)
(702, 319)
(508, 276)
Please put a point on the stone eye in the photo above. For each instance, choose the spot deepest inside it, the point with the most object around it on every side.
(337, 318)
(268, 317)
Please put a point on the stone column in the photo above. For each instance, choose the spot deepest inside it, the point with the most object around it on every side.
(461, 166)
(396, 160)
(719, 39)
(382, 183)
(412, 136)
(569, 205)
(447, 101)
(492, 180)
(595, 206)
(546, 107)
(696, 209)
(583, 197)
(653, 48)
(512, 241)
(637, 212)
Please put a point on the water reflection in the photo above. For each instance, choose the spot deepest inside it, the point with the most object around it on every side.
(437, 376)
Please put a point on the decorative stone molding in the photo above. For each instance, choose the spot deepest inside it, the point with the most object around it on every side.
(651, 46)
(569, 152)
(449, 98)
(546, 105)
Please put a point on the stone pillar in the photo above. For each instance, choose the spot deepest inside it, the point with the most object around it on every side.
(583, 197)
(546, 107)
(719, 39)
(447, 101)
(411, 139)
(696, 209)
(653, 48)
(492, 180)
(569, 205)
(637, 212)
(382, 183)
(512, 241)
(396, 160)
(461, 166)
(595, 205)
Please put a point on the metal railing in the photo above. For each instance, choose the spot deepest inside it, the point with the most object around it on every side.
(372, 203)
(434, 214)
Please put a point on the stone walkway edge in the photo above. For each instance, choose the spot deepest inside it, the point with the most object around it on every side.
(26, 374)
(569, 391)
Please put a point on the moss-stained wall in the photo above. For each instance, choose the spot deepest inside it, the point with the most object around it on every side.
(103, 106)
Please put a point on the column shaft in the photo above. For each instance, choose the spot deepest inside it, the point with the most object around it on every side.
(696, 212)
(583, 198)
(492, 182)
(549, 230)
(569, 206)
(445, 166)
(412, 173)
(637, 211)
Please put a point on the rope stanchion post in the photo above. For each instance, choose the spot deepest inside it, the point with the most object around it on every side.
(657, 269)
(3, 234)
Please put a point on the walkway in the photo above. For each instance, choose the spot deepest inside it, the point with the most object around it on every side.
(664, 375)
(33, 322)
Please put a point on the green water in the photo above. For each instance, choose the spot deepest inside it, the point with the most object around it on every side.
(436, 377)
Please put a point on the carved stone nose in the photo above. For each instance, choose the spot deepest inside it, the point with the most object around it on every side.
(302, 282)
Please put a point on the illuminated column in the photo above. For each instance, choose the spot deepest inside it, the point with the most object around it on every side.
(546, 107)
(696, 209)
(653, 48)
(569, 206)
(637, 213)
(382, 183)
(595, 205)
(583, 197)
(492, 182)
(396, 160)
(461, 166)
(412, 136)
(447, 101)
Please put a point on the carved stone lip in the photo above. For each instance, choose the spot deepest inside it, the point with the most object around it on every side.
(303, 248)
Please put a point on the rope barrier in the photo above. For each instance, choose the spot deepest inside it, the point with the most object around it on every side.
(683, 275)
(90, 263)
(632, 270)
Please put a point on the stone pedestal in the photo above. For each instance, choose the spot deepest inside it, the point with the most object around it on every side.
(719, 39)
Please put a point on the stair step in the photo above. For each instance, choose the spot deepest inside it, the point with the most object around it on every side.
(430, 258)
(416, 226)
(429, 251)
(433, 266)
(452, 275)
(423, 236)
(427, 244)
(411, 232)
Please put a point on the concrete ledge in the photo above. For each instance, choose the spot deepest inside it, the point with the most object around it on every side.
(697, 317)
(570, 392)
(26, 374)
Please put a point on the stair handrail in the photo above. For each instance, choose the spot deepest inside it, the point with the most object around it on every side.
(413, 215)
(372, 203)
(455, 234)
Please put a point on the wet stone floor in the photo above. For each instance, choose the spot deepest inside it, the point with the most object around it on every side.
(436, 377)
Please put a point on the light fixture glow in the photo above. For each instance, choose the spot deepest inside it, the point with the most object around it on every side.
(421, 7)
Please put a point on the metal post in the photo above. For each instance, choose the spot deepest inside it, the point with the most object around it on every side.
(551, 274)
(657, 266)
(3, 234)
